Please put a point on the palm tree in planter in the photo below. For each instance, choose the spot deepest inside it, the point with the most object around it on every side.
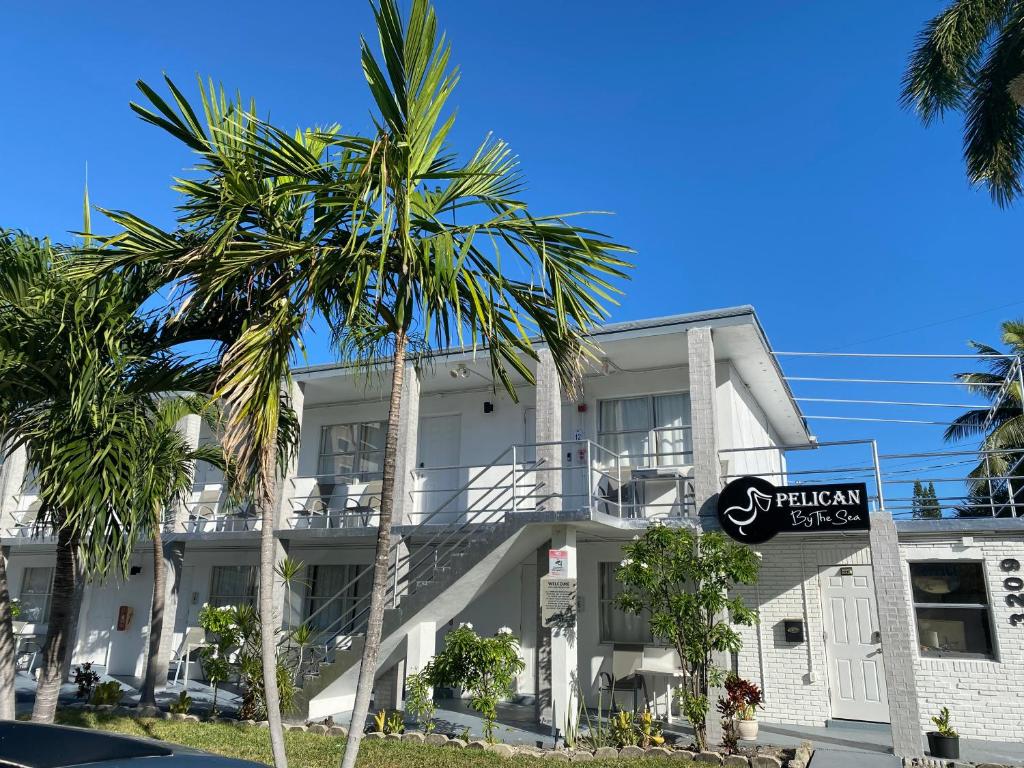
(970, 59)
(81, 372)
(431, 234)
(166, 465)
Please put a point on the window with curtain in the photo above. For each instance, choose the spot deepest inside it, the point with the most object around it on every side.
(353, 450)
(653, 429)
(36, 588)
(951, 607)
(617, 626)
(323, 583)
(233, 585)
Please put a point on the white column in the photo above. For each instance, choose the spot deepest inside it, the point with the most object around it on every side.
(408, 443)
(189, 426)
(549, 430)
(420, 646)
(564, 661)
(12, 478)
(286, 484)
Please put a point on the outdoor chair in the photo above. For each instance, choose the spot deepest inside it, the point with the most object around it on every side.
(205, 508)
(624, 677)
(191, 643)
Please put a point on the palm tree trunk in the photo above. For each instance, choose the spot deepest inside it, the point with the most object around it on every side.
(375, 621)
(268, 633)
(7, 647)
(57, 640)
(147, 696)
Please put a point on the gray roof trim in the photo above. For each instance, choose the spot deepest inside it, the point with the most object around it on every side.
(961, 525)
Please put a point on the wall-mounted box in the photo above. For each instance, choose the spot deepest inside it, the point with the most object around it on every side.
(793, 630)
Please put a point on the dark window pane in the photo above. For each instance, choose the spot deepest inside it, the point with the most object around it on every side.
(955, 582)
(952, 631)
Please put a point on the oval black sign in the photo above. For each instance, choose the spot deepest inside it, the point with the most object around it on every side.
(752, 510)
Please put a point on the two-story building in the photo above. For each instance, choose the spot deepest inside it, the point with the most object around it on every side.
(495, 493)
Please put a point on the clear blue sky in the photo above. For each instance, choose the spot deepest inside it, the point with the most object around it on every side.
(752, 153)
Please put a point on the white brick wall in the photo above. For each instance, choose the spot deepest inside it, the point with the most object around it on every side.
(983, 696)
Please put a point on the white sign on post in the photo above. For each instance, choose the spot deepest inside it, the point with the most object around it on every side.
(557, 601)
(558, 562)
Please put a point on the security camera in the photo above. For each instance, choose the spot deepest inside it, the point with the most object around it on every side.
(460, 372)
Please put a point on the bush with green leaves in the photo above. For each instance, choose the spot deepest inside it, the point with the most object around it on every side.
(683, 579)
(85, 678)
(419, 699)
(486, 667)
(182, 705)
(943, 725)
(107, 694)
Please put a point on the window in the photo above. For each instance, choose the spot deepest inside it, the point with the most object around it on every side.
(353, 451)
(342, 615)
(641, 428)
(951, 606)
(233, 585)
(36, 587)
(617, 626)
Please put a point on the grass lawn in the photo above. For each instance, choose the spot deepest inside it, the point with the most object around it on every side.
(313, 750)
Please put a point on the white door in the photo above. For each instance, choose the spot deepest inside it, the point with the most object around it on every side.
(440, 441)
(853, 648)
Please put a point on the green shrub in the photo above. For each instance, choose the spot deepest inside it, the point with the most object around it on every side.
(182, 705)
(108, 693)
(419, 700)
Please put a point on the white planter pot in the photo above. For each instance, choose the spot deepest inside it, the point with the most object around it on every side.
(747, 729)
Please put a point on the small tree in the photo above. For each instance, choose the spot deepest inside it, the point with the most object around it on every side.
(484, 666)
(683, 579)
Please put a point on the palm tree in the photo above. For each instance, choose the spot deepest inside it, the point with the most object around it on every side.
(429, 257)
(240, 261)
(1000, 426)
(80, 371)
(970, 59)
(166, 465)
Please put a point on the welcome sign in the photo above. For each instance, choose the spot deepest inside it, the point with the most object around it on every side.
(752, 510)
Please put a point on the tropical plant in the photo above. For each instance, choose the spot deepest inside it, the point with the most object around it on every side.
(181, 705)
(222, 641)
(970, 58)
(108, 694)
(419, 699)
(683, 579)
(1000, 426)
(486, 667)
(942, 724)
(623, 729)
(85, 678)
(164, 475)
(82, 368)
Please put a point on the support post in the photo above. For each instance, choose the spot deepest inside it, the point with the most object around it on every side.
(12, 479)
(550, 452)
(408, 444)
(286, 484)
(564, 651)
(897, 634)
(420, 646)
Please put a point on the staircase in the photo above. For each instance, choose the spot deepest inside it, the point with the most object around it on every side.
(436, 569)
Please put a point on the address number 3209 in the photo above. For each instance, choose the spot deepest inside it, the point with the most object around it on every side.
(1014, 585)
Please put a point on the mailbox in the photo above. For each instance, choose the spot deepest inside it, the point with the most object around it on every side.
(793, 630)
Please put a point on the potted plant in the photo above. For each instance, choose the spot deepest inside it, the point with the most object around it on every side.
(944, 742)
(739, 706)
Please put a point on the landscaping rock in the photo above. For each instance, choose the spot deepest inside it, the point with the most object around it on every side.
(558, 755)
(455, 744)
(765, 761)
(502, 750)
(178, 715)
(476, 744)
(263, 724)
(246, 723)
(122, 711)
(709, 757)
(606, 753)
(737, 761)
(581, 756)
(317, 728)
(683, 754)
(226, 720)
(338, 730)
(192, 718)
(631, 751)
(295, 727)
(393, 737)
(437, 739)
(413, 736)
(374, 735)
(104, 707)
(658, 752)
(147, 711)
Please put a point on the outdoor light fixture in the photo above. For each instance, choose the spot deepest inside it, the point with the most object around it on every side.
(459, 372)
(488, 407)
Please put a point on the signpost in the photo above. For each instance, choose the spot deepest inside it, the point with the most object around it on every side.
(557, 600)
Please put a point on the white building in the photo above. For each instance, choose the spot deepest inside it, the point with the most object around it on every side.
(886, 625)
